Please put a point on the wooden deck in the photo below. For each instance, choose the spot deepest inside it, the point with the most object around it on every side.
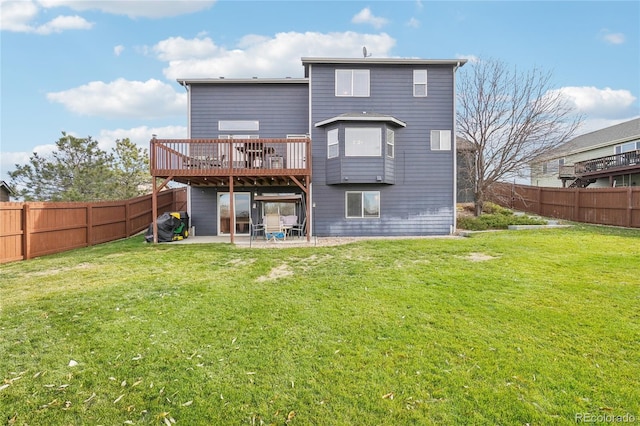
(611, 165)
(583, 173)
(248, 162)
(231, 163)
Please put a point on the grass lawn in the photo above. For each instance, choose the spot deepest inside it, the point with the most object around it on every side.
(512, 328)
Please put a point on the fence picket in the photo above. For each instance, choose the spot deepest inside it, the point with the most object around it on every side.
(603, 206)
(39, 230)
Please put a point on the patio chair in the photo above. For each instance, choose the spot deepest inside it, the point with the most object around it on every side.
(273, 228)
(255, 228)
(299, 228)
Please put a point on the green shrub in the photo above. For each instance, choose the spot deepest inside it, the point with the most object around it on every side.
(491, 208)
(498, 220)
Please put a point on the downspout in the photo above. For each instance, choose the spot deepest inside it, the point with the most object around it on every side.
(186, 88)
(455, 155)
(310, 203)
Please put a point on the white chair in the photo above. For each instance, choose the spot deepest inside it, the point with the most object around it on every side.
(288, 222)
(273, 228)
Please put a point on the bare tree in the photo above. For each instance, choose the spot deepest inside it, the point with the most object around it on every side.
(511, 118)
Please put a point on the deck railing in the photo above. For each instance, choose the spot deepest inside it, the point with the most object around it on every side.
(226, 157)
(625, 160)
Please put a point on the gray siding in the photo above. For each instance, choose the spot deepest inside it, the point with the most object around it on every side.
(281, 108)
(421, 200)
(204, 210)
(204, 206)
(417, 194)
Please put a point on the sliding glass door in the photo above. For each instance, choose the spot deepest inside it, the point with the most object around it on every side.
(242, 205)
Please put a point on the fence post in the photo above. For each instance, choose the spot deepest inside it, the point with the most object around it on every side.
(539, 201)
(575, 214)
(629, 206)
(26, 238)
(513, 196)
(127, 218)
(89, 225)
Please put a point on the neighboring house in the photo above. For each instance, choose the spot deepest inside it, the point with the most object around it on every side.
(604, 158)
(6, 192)
(466, 170)
(358, 147)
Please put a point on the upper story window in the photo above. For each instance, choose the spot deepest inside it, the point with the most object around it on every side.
(419, 83)
(362, 142)
(332, 143)
(238, 125)
(352, 83)
(441, 140)
(626, 147)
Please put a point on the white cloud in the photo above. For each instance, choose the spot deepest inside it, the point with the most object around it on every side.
(123, 99)
(260, 56)
(612, 38)
(604, 103)
(366, 17)
(8, 160)
(117, 50)
(63, 23)
(139, 135)
(18, 16)
(134, 8)
(21, 16)
(473, 59)
(413, 23)
(178, 48)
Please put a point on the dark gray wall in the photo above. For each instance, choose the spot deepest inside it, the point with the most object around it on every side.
(281, 108)
(204, 210)
(204, 206)
(421, 200)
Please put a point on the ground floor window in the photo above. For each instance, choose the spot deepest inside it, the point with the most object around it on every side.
(362, 204)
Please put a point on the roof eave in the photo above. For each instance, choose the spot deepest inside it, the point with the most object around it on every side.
(384, 61)
(222, 80)
(377, 119)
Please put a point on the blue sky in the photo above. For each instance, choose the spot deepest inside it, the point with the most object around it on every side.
(108, 69)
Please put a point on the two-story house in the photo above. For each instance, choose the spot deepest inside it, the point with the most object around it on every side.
(603, 158)
(357, 147)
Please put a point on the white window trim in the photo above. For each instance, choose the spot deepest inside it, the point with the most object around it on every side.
(417, 82)
(353, 74)
(391, 143)
(447, 140)
(239, 125)
(238, 136)
(618, 148)
(362, 216)
(331, 143)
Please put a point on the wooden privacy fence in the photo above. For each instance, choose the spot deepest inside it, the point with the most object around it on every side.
(604, 206)
(35, 229)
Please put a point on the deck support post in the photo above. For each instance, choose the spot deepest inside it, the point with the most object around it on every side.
(232, 212)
